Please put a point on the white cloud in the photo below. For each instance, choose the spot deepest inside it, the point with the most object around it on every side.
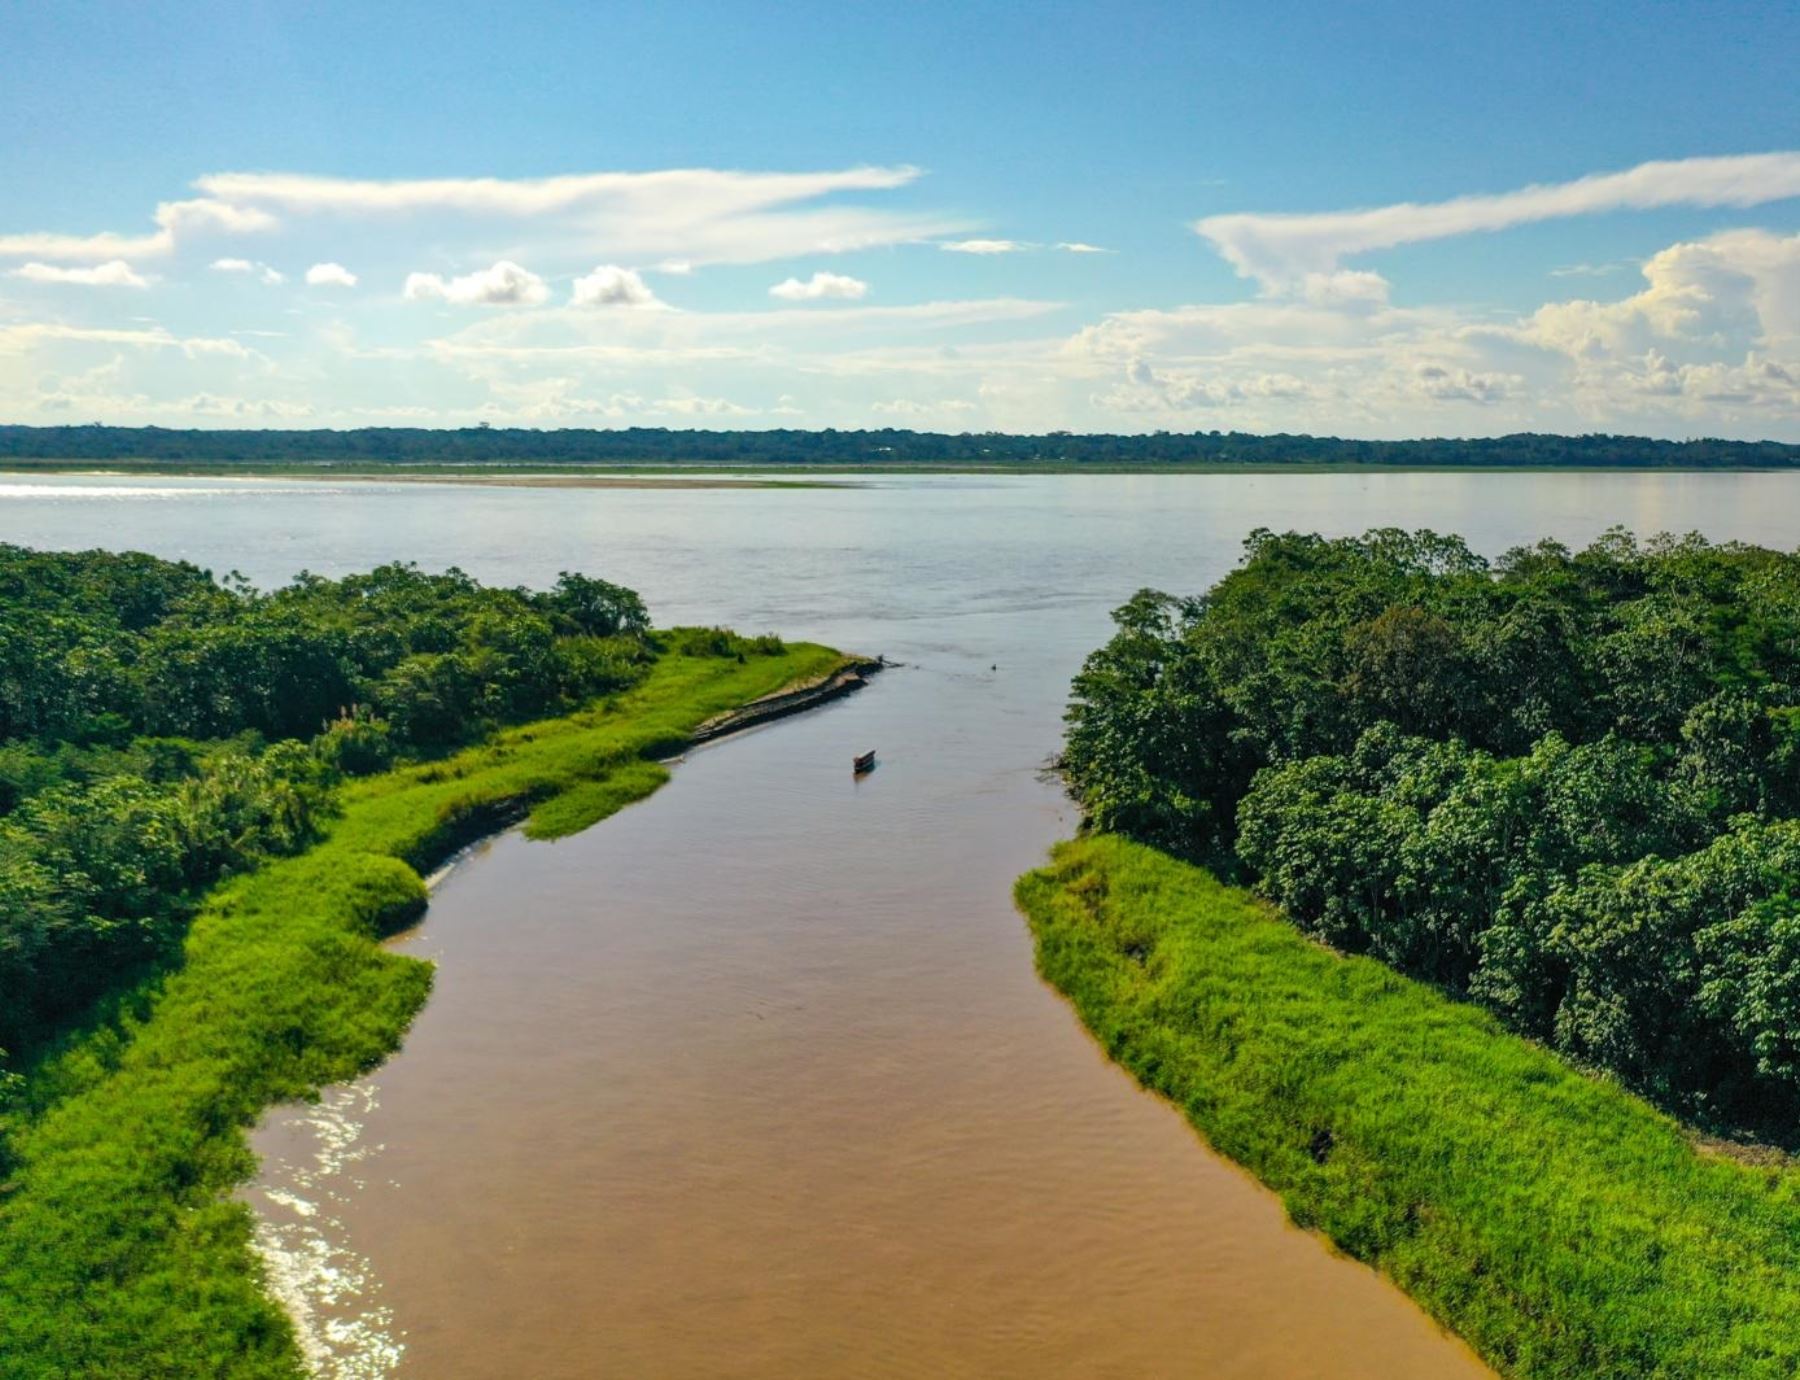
(115, 273)
(504, 284)
(1149, 389)
(175, 220)
(330, 275)
(612, 286)
(545, 195)
(701, 407)
(1452, 383)
(30, 335)
(1346, 287)
(1590, 270)
(692, 215)
(1710, 345)
(983, 246)
(820, 285)
(911, 407)
(996, 246)
(1733, 291)
(271, 276)
(1279, 250)
(1757, 382)
(674, 217)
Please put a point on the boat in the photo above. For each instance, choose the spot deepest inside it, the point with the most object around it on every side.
(865, 762)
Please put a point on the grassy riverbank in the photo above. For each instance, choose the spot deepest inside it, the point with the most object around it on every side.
(122, 1254)
(1564, 1227)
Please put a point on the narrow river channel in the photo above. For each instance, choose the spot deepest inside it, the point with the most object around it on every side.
(756, 1079)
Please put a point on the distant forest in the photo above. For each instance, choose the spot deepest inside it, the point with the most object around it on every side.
(662, 446)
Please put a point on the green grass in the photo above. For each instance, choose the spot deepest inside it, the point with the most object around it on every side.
(1562, 1226)
(122, 1254)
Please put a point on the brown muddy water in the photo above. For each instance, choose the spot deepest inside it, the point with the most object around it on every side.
(755, 1079)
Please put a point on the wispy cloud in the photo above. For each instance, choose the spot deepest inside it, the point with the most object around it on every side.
(1591, 270)
(175, 220)
(1280, 250)
(29, 334)
(678, 215)
(115, 273)
(984, 246)
(675, 216)
(997, 246)
(271, 276)
(698, 189)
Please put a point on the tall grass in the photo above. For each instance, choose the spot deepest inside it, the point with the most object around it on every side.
(121, 1254)
(1564, 1227)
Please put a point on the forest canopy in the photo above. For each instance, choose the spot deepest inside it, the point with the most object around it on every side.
(160, 730)
(1564, 784)
(884, 446)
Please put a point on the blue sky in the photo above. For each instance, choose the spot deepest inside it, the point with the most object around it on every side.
(736, 215)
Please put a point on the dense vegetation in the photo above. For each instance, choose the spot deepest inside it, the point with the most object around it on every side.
(1563, 784)
(121, 1254)
(160, 730)
(167, 972)
(1561, 1225)
(885, 446)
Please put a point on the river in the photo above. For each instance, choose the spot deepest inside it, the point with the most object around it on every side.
(755, 1079)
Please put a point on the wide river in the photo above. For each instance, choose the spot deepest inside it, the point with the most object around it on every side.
(755, 1079)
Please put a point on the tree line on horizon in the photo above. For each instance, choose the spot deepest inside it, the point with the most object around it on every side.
(885, 446)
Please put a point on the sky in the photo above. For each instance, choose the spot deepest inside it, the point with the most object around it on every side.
(1377, 220)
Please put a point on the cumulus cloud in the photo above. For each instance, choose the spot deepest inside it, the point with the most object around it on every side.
(1149, 389)
(612, 286)
(1455, 384)
(1280, 250)
(115, 273)
(983, 246)
(1710, 343)
(1735, 290)
(330, 275)
(820, 285)
(505, 284)
(1758, 382)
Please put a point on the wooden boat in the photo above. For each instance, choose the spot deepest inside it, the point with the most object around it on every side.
(865, 762)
